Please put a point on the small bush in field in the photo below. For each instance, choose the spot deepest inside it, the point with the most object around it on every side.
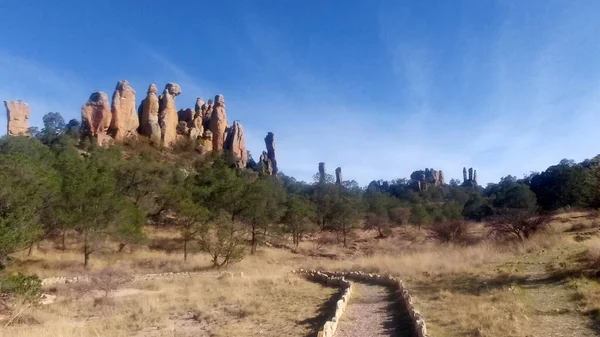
(449, 231)
(109, 280)
(26, 287)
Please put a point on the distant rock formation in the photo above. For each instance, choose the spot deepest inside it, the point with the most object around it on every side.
(206, 143)
(157, 118)
(338, 176)
(270, 143)
(264, 165)
(236, 144)
(149, 125)
(125, 120)
(472, 180)
(422, 182)
(167, 115)
(17, 115)
(218, 123)
(96, 118)
(322, 176)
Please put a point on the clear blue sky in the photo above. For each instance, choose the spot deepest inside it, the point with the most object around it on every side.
(380, 88)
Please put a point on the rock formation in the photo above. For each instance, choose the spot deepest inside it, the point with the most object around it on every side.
(236, 144)
(338, 176)
(270, 143)
(125, 120)
(167, 115)
(198, 107)
(422, 182)
(471, 181)
(206, 143)
(264, 165)
(17, 116)
(96, 117)
(218, 123)
(149, 125)
(322, 172)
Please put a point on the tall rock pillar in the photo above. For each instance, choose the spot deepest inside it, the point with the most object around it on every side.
(218, 123)
(149, 125)
(125, 120)
(167, 116)
(338, 176)
(236, 144)
(17, 116)
(270, 143)
(321, 172)
(96, 118)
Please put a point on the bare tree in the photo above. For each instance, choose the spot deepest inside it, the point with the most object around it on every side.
(517, 223)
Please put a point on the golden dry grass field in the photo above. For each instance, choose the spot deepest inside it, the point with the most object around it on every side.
(546, 286)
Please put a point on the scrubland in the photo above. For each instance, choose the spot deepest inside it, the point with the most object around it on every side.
(476, 286)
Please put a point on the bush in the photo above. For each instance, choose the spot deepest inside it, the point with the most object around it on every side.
(26, 287)
(520, 224)
(449, 231)
(108, 280)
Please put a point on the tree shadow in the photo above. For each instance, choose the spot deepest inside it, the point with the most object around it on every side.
(326, 311)
(398, 324)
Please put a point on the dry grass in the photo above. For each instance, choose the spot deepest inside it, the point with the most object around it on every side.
(271, 303)
(479, 289)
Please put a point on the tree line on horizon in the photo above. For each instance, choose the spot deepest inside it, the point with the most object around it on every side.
(54, 183)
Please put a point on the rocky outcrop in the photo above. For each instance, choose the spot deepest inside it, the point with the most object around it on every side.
(322, 172)
(264, 165)
(205, 145)
(125, 120)
(167, 115)
(270, 143)
(96, 118)
(338, 176)
(236, 144)
(17, 115)
(218, 123)
(149, 125)
(471, 181)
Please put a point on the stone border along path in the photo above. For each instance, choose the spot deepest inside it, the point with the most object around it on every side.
(395, 285)
(138, 277)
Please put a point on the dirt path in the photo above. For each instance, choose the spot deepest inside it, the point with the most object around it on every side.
(550, 302)
(370, 312)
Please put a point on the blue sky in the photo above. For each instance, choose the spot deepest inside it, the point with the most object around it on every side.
(380, 88)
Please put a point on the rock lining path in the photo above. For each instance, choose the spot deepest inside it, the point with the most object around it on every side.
(372, 312)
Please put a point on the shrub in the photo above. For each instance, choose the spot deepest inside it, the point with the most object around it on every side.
(108, 280)
(520, 224)
(449, 231)
(26, 287)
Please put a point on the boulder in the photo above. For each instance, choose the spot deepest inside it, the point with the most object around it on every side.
(187, 116)
(167, 115)
(96, 118)
(17, 115)
(149, 126)
(218, 123)
(125, 120)
(236, 144)
(270, 143)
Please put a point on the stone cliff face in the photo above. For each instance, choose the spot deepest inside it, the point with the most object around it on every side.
(17, 113)
(96, 118)
(125, 121)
